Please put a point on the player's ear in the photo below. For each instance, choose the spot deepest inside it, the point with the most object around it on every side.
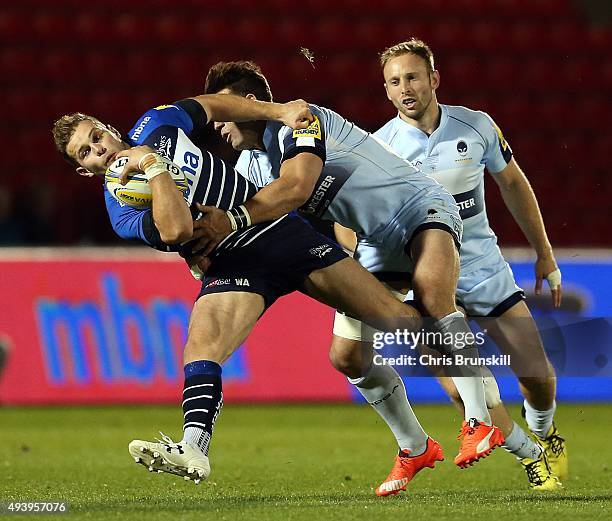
(387, 91)
(251, 96)
(81, 170)
(435, 79)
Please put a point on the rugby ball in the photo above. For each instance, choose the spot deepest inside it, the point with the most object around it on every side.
(137, 192)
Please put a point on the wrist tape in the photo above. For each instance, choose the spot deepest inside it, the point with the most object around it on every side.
(153, 165)
(239, 217)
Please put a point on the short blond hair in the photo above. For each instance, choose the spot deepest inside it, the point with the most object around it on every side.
(413, 46)
(64, 128)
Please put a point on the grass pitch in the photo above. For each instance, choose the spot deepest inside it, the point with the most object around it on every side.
(288, 462)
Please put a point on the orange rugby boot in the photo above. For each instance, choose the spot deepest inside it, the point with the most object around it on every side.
(406, 467)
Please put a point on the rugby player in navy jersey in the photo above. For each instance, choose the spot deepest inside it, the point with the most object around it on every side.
(253, 267)
(404, 220)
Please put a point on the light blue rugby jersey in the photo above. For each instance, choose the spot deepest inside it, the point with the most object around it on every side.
(363, 184)
(255, 166)
(455, 155)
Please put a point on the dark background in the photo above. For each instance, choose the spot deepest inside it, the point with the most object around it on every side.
(541, 68)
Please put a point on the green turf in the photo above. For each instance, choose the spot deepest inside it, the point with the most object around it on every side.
(287, 462)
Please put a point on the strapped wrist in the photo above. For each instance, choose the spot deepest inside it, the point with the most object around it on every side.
(154, 164)
(239, 217)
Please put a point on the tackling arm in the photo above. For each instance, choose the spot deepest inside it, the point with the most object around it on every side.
(291, 190)
(227, 107)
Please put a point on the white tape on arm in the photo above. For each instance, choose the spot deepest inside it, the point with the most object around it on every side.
(554, 279)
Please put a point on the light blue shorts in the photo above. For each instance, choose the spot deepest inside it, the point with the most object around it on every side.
(488, 291)
(386, 253)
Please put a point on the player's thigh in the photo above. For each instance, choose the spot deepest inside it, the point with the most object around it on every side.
(436, 268)
(347, 286)
(219, 323)
(516, 333)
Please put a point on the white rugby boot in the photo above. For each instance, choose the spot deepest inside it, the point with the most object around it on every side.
(168, 456)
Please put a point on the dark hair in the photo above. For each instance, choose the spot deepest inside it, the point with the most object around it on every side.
(413, 46)
(241, 77)
(64, 128)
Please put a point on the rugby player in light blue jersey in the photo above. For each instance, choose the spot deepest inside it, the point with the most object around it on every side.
(455, 145)
(335, 171)
(253, 267)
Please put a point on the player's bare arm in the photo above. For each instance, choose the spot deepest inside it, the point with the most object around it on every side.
(228, 107)
(170, 211)
(523, 205)
(291, 190)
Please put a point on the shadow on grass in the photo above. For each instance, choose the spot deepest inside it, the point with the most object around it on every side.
(231, 500)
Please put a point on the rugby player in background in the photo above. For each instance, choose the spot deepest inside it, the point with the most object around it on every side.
(454, 145)
(253, 267)
(404, 220)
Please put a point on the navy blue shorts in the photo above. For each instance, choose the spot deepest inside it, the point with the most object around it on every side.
(275, 264)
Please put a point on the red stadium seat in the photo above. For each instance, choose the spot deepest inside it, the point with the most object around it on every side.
(127, 27)
(51, 27)
(328, 32)
(448, 33)
(486, 36)
(291, 32)
(599, 39)
(172, 29)
(101, 65)
(562, 36)
(19, 64)
(15, 26)
(91, 27)
(64, 65)
(210, 30)
(525, 36)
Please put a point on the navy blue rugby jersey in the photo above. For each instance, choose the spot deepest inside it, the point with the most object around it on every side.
(167, 129)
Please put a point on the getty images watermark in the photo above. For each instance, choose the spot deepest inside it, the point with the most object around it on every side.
(576, 346)
(443, 342)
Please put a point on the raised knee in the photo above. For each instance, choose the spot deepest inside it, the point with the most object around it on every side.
(346, 362)
(537, 384)
(431, 300)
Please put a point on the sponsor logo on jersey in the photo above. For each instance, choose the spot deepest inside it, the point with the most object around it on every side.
(502, 140)
(164, 146)
(468, 203)
(321, 251)
(140, 128)
(462, 148)
(218, 282)
(313, 130)
(319, 193)
(224, 282)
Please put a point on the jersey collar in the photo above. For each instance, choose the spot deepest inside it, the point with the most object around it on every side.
(418, 131)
